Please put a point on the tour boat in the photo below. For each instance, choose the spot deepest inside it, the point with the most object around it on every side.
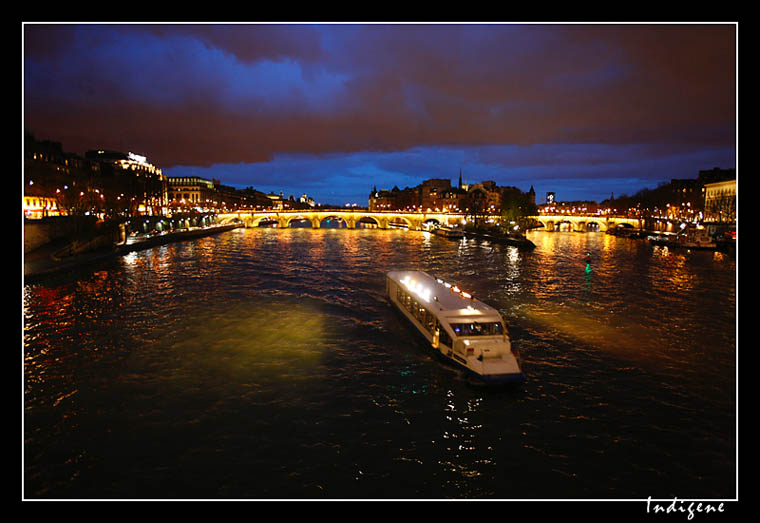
(459, 327)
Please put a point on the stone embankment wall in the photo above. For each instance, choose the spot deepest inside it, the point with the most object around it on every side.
(41, 232)
(81, 233)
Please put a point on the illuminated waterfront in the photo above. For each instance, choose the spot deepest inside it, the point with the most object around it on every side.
(265, 363)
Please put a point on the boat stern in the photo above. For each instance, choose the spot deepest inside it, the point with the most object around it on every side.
(494, 363)
(505, 369)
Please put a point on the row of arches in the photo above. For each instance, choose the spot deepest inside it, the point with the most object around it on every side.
(586, 223)
(568, 226)
(332, 221)
(358, 220)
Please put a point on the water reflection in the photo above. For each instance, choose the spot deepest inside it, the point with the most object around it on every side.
(238, 345)
(599, 309)
(178, 370)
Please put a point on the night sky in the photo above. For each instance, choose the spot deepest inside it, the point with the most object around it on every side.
(330, 110)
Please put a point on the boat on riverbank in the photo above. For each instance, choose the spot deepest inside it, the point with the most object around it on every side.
(460, 328)
(506, 239)
(690, 238)
(448, 232)
(626, 231)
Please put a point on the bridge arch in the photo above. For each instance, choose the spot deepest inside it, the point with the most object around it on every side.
(333, 221)
(593, 226)
(400, 221)
(226, 219)
(247, 219)
(261, 221)
(369, 222)
(297, 221)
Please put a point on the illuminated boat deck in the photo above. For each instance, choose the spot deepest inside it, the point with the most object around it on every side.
(448, 297)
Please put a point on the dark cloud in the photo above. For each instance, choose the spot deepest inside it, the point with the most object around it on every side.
(204, 95)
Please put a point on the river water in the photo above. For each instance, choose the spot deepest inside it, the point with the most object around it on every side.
(267, 364)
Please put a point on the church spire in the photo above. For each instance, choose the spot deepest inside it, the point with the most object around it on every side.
(460, 179)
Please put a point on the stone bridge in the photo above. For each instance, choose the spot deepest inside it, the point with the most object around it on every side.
(414, 220)
(591, 222)
(380, 219)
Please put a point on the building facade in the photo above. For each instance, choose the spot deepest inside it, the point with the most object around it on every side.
(102, 183)
(140, 185)
(395, 199)
(437, 194)
(56, 182)
(191, 192)
(720, 202)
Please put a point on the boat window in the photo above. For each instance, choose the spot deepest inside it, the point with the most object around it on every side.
(443, 336)
(404, 298)
(426, 318)
(478, 329)
(429, 321)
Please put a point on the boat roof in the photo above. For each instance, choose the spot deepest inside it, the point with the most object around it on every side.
(449, 299)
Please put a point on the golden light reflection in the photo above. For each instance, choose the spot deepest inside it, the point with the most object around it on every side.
(264, 339)
(350, 242)
(512, 267)
(588, 327)
(671, 272)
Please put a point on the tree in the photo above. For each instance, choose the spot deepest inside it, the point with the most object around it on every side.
(516, 207)
(475, 206)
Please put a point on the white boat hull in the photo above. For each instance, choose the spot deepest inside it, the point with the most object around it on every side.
(490, 359)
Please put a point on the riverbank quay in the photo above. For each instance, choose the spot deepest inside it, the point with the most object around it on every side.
(52, 258)
(724, 243)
